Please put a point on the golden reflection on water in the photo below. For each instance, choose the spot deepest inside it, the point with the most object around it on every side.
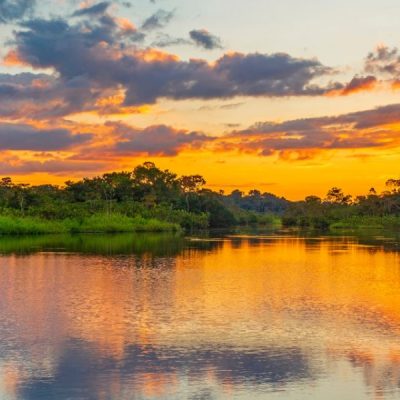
(274, 317)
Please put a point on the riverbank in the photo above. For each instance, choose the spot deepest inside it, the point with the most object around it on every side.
(351, 222)
(119, 223)
(97, 223)
(366, 222)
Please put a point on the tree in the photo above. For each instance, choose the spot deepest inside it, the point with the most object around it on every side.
(121, 184)
(394, 185)
(6, 185)
(162, 185)
(336, 196)
(313, 200)
(191, 184)
(21, 192)
(236, 195)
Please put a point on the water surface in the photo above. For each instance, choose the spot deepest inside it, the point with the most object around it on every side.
(272, 316)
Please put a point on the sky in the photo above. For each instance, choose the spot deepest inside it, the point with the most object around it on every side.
(287, 97)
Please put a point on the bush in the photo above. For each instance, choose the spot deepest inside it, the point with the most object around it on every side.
(289, 220)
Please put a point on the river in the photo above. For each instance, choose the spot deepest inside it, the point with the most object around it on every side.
(274, 315)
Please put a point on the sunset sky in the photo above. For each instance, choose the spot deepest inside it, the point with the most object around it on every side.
(288, 97)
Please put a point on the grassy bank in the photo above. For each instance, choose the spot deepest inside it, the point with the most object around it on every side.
(367, 222)
(356, 222)
(98, 223)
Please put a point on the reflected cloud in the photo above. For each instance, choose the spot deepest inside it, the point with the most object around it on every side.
(156, 371)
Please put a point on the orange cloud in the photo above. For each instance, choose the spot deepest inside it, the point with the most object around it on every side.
(151, 55)
(356, 85)
(125, 25)
(396, 85)
(13, 59)
(112, 105)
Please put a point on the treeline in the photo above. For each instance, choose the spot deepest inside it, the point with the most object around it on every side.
(146, 193)
(151, 199)
(340, 210)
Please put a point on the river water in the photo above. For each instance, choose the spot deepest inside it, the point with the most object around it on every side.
(260, 316)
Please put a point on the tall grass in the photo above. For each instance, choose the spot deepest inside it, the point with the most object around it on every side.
(120, 223)
(10, 225)
(97, 223)
(367, 222)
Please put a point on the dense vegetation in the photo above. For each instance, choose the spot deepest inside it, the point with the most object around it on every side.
(338, 210)
(151, 199)
(146, 199)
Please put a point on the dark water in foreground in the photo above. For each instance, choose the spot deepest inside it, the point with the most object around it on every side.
(162, 317)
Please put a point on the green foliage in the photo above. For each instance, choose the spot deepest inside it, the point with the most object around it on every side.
(107, 223)
(187, 220)
(12, 225)
(245, 217)
(151, 199)
(339, 211)
(112, 223)
(257, 202)
(219, 215)
(146, 199)
(368, 222)
(96, 223)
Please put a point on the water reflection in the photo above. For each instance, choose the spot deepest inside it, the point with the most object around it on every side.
(164, 317)
(158, 371)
